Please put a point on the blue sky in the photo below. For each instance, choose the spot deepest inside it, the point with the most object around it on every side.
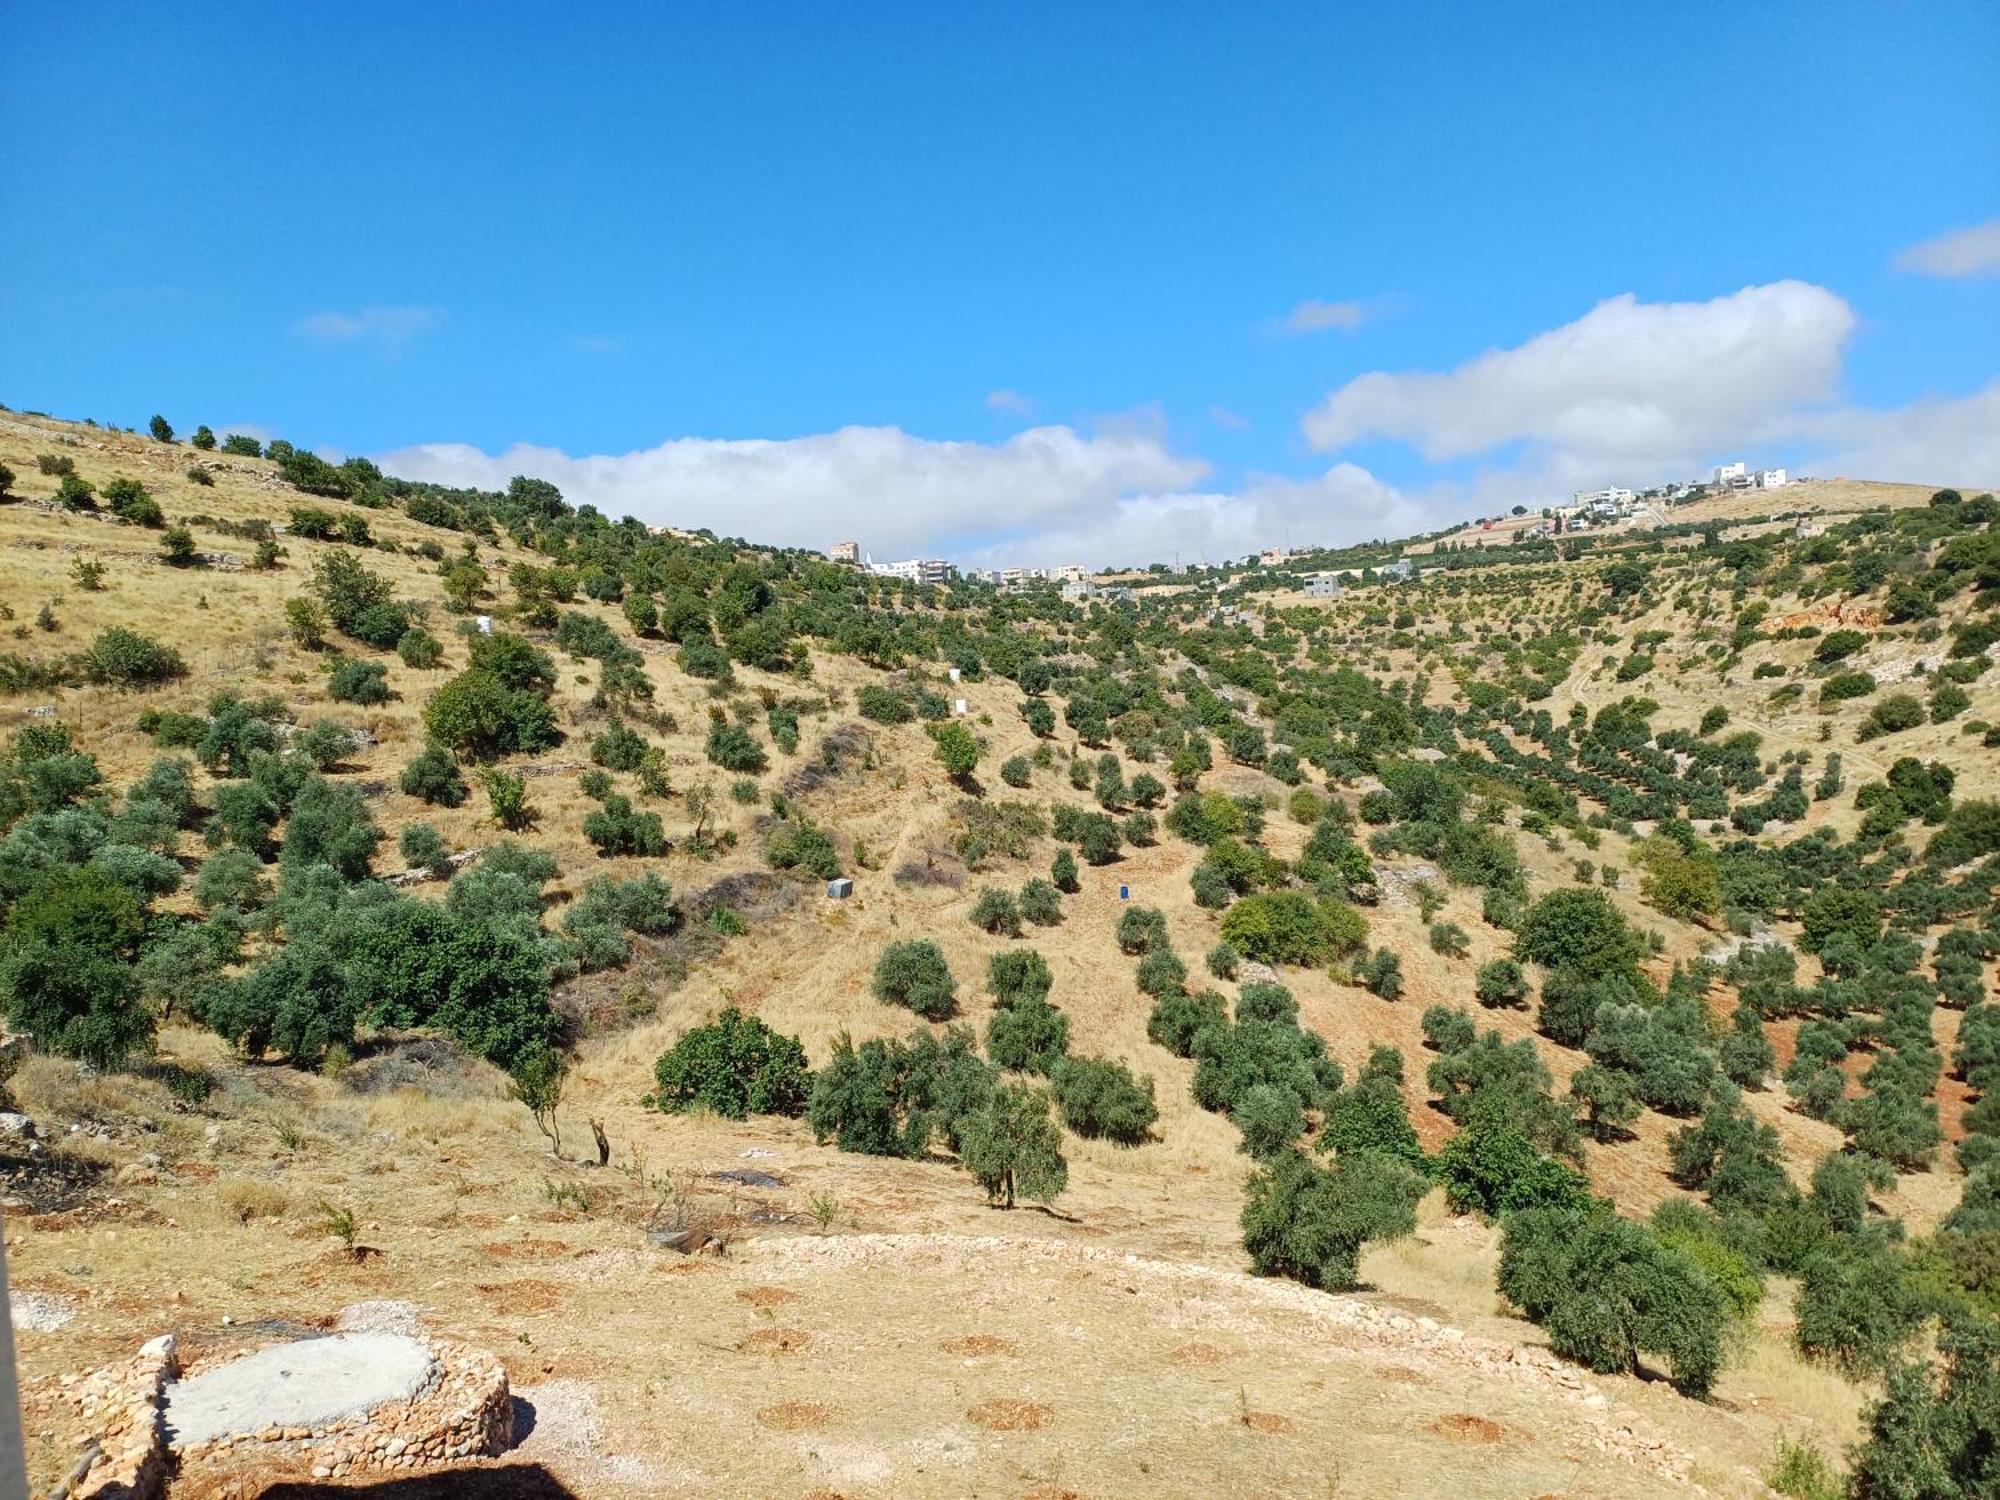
(793, 269)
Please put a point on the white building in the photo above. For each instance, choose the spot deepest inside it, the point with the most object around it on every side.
(1073, 573)
(933, 570)
(1271, 557)
(1605, 497)
(1399, 570)
(1772, 479)
(1733, 476)
(1323, 586)
(847, 552)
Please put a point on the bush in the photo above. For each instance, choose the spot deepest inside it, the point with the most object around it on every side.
(423, 848)
(996, 911)
(1309, 1223)
(1041, 903)
(507, 798)
(1015, 770)
(1141, 929)
(1381, 974)
(1062, 870)
(1496, 1169)
(619, 748)
(306, 621)
(1027, 1035)
(1858, 1310)
(1270, 1118)
(357, 681)
(1447, 1029)
(1179, 1018)
(124, 658)
(1101, 1099)
(419, 648)
(956, 749)
(1843, 686)
(734, 1066)
(1935, 1432)
(1291, 928)
(1011, 1146)
(731, 747)
(1449, 939)
(1017, 975)
(914, 975)
(1160, 973)
(1892, 715)
(478, 715)
(1224, 961)
(798, 845)
(1500, 983)
(66, 975)
(1605, 1290)
(433, 777)
(617, 828)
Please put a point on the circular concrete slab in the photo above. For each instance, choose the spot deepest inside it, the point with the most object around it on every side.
(306, 1384)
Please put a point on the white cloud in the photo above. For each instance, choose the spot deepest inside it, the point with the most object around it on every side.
(1222, 416)
(899, 494)
(1939, 440)
(1972, 251)
(389, 328)
(1315, 316)
(1010, 401)
(1346, 502)
(1631, 387)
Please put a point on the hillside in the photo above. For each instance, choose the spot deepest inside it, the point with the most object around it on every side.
(1762, 766)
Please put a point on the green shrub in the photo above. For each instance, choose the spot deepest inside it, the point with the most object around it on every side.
(1041, 903)
(1496, 1169)
(1309, 1223)
(996, 911)
(617, 828)
(423, 848)
(1011, 1146)
(1178, 1018)
(1015, 770)
(124, 658)
(734, 1066)
(1605, 1290)
(619, 748)
(1291, 928)
(1027, 1035)
(1501, 983)
(1062, 870)
(420, 649)
(914, 974)
(357, 681)
(798, 845)
(1224, 961)
(433, 777)
(1101, 1099)
(1141, 929)
(1934, 1434)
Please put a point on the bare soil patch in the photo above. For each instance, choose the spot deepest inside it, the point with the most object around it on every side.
(1005, 1415)
(1199, 1355)
(775, 1341)
(765, 1296)
(799, 1416)
(1269, 1423)
(978, 1345)
(1463, 1427)
(525, 1296)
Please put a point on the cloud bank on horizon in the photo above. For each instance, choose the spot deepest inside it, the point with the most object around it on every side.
(1631, 392)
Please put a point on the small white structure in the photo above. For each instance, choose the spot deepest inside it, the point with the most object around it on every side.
(958, 706)
(840, 888)
(484, 624)
(952, 672)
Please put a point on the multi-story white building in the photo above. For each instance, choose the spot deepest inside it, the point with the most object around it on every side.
(1323, 586)
(934, 570)
(1772, 479)
(1271, 557)
(1072, 573)
(847, 552)
(1612, 496)
(1733, 476)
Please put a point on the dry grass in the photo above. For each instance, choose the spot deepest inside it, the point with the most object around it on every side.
(245, 1199)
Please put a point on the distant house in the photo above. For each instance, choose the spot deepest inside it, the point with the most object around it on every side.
(1323, 586)
(1398, 571)
(1271, 557)
(1734, 476)
(1772, 479)
(1072, 573)
(847, 552)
